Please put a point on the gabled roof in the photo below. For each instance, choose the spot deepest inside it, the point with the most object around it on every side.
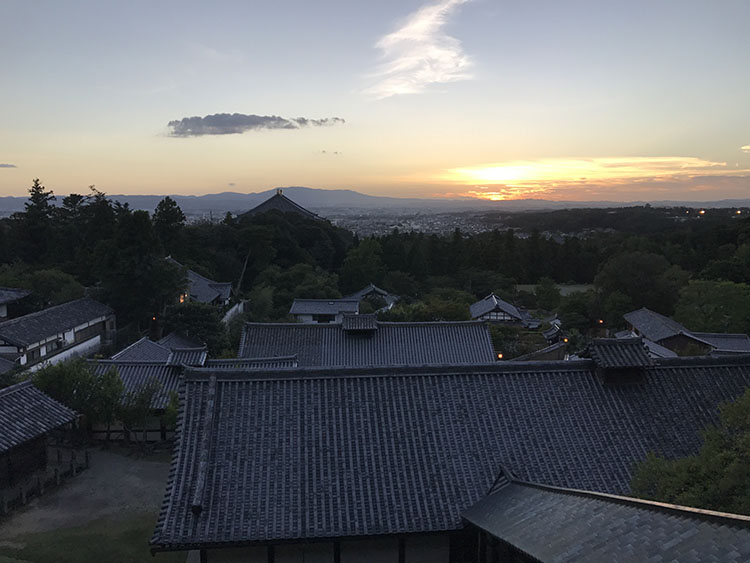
(195, 357)
(372, 289)
(652, 325)
(27, 413)
(493, 303)
(370, 451)
(390, 345)
(143, 350)
(34, 327)
(279, 202)
(657, 351)
(178, 340)
(11, 294)
(619, 353)
(324, 306)
(136, 375)
(203, 289)
(564, 525)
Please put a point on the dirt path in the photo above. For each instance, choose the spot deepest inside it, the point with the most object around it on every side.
(115, 484)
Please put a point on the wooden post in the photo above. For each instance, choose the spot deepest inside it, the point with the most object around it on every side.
(4, 503)
(59, 456)
(39, 485)
(23, 494)
(88, 458)
(57, 476)
(73, 463)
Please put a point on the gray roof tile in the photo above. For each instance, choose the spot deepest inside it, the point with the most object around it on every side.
(391, 344)
(619, 353)
(652, 325)
(11, 294)
(143, 350)
(279, 202)
(323, 306)
(373, 451)
(27, 413)
(493, 303)
(34, 327)
(136, 375)
(560, 525)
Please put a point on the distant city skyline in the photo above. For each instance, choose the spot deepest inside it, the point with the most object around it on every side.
(576, 101)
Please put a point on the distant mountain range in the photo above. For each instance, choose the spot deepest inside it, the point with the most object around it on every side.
(322, 200)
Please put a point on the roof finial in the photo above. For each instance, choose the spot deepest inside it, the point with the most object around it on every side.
(278, 191)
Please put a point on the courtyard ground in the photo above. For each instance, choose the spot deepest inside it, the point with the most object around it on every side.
(106, 513)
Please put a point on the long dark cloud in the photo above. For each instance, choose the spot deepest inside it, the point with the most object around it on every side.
(234, 123)
(8, 166)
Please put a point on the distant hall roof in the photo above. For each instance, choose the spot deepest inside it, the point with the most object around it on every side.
(34, 327)
(27, 413)
(279, 202)
(324, 463)
(391, 344)
(652, 325)
(492, 303)
(323, 306)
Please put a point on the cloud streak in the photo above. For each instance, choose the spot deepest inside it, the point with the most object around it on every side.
(8, 166)
(746, 148)
(237, 123)
(618, 178)
(419, 53)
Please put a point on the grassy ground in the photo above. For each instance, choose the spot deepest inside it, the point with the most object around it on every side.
(106, 540)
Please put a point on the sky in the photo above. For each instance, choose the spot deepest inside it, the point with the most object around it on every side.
(574, 100)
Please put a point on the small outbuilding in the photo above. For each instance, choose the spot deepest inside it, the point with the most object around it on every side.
(323, 311)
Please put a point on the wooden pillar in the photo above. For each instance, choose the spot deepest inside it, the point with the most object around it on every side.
(337, 552)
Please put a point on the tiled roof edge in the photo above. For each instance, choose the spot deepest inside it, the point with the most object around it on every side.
(726, 518)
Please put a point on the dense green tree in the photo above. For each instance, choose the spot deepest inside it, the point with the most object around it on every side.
(647, 279)
(714, 306)
(547, 294)
(363, 265)
(168, 220)
(199, 321)
(716, 478)
(74, 384)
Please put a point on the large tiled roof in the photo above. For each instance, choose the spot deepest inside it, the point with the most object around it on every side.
(143, 350)
(323, 306)
(27, 413)
(279, 202)
(136, 375)
(491, 303)
(561, 525)
(11, 294)
(619, 353)
(359, 322)
(652, 325)
(34, 327)
(391, 344)
(203, 289)
(316, 453)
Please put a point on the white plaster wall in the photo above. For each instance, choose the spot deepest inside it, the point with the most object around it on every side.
(307, 319)
(87, 347)
(3, 311)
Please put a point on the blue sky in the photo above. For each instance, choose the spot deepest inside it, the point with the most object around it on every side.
(479, 98)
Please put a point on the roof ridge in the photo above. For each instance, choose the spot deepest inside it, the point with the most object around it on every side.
(17, 387)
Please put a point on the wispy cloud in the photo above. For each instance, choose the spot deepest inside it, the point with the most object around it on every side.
(8, 166)
(234, 123)
(419, 53)
(746, 148)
